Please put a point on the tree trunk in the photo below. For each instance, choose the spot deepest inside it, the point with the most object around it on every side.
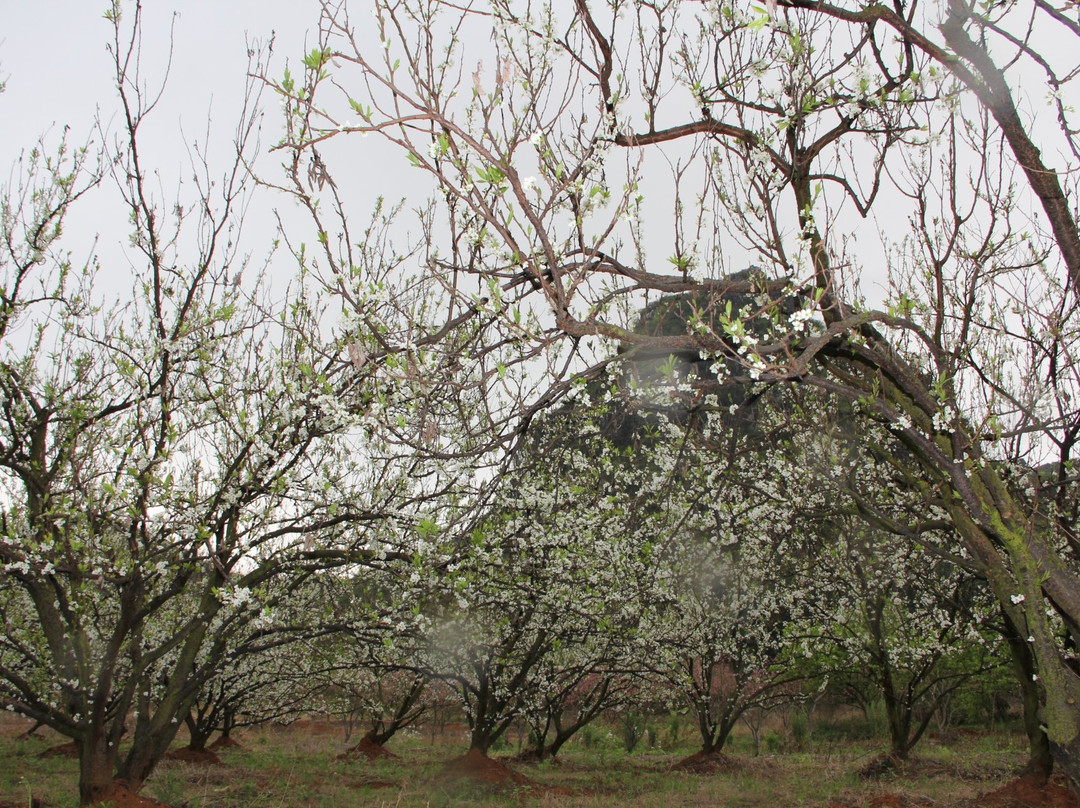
(198, 734)
(1040, 761)
(899, 716)
(379, 737)
(97, 768)
(1067, 757)
(483, 734)
(1026, 576)
(228, 721)
(481, 743)
(561, 737)
(705, 727)
(147, 749)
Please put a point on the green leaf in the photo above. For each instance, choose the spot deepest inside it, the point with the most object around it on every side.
(427, 528)
(491, 174)
(317, 58)
(361, 110)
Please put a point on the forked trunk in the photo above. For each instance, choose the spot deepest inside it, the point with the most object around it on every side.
(379, 737)
(705, 727)
(899, 717)
(198, 734)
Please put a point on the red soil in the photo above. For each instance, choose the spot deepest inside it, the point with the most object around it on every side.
(479, 768)
(199, 757)
(719, 763)
(1028, 792)
(369, 749)
(120, 796)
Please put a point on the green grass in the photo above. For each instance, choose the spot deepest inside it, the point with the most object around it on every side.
(297, 768)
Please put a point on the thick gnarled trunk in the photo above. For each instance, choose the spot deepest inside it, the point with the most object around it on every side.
(97, 768)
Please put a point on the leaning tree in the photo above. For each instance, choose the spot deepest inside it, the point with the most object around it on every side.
(592, 157)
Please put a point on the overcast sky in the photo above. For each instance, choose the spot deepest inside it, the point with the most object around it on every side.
(53, 55)
(57, 69)
(54, 58)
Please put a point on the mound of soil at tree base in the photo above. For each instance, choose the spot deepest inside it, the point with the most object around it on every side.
(528, 756)
(221, 742)
(1028, 792)
(120, 796)
(367, 748)
(885, 766)
(68, 749)
(198, 757)
(478, 767)
(533, 756)
(706, 763)
(719, 763)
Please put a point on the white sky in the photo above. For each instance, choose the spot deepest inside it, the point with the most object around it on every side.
(53, 53)
(54, 59)
(58, 72)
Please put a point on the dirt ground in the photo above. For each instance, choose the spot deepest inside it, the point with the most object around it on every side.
(309, 764)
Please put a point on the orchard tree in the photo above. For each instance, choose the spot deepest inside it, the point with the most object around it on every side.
(380, 701)
(591, 156)
(934, 579)
(686, 515)
(180, 446)
(731, 568)
(366, 649)
(896, 624)
(899, 615)
(250, 688)
(270, 671)
(532, 608)
(585, 683)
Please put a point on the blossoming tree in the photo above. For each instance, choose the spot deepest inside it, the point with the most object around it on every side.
(179, 449)
(596, 156)
(534, 606)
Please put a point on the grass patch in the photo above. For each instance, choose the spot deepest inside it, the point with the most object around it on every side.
(298, 767)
